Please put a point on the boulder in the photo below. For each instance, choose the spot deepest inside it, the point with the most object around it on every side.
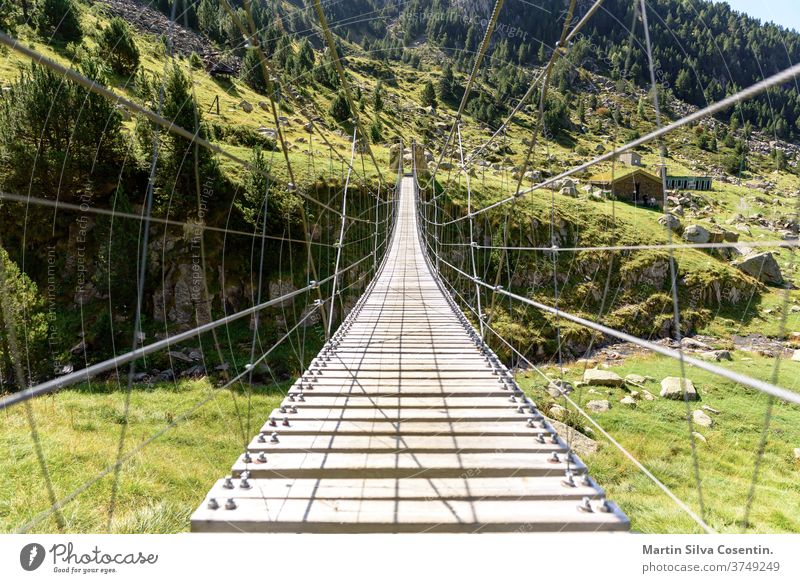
(699, 436)
(687, 342)
(717, 355)
(569, 191)
(602, 378)
(628, 401)
(167, 375)
(557, 411)
(557, 388)
(762, 266)
(636, 379)
(796, 355)
(598, 406)
(696, 234)
(700, 418)
(647, 396)
(671, 222)
(246, 106)
(173, 354)
(675, 387)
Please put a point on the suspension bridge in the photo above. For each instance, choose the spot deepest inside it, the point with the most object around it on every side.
(406, 420)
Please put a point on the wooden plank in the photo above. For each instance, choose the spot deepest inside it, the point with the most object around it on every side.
(335, 442)
(438, 414)
(407, 465)
(397, 400)
(476, 488)
(373, 516)
(384, 427)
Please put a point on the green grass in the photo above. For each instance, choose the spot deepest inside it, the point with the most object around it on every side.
(160, 486)
(656, 433)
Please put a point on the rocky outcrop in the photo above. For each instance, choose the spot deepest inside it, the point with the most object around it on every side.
(179, 299)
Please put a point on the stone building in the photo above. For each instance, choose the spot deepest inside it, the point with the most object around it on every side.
(634, 185)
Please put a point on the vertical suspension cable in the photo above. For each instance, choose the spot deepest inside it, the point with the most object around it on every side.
(472, 242)
(341, 234)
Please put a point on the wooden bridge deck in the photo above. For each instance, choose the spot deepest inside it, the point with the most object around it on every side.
(404, 423)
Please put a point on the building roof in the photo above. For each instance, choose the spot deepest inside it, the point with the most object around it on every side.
(606, 177)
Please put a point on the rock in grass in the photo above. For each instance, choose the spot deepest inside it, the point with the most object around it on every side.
(763, 267)
(636, 379)
(687, 342)
(675, 387)
(797, 454)
(628, 401)
(598, 406)
(717, 355)
(699, 436)
(602, 378)
(557, 411)
(672, 222)
(796, 355)
(557, 388)
(174, 354)
(696, 234)
(647, 396)
(701, 419)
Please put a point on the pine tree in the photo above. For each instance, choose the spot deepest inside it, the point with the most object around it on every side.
(305, 57)
(58, 18)
(428, 95)
(208, 18)
(376, 130)
(447, 83)
(181, 162)
(117, 45)
(340, 108)
(252, 72)
(377, 97)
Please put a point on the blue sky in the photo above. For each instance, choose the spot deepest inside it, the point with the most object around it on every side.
(783, 12)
